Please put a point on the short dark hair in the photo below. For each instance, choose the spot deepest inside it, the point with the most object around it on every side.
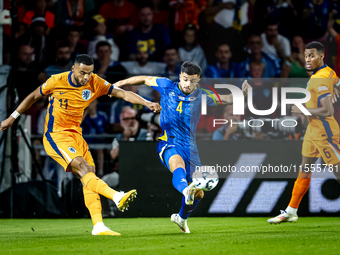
(271, 22)
(74, 28)
(170, 47)
(191, 68)
(101, 44)
(63, 44)
(84, 59)
(316, 45)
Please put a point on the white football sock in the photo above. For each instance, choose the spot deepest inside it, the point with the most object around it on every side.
(291, 210)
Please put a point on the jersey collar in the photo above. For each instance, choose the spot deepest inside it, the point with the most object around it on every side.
(320, 69)
(70, 80)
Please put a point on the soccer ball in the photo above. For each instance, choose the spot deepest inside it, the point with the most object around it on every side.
(205, 178)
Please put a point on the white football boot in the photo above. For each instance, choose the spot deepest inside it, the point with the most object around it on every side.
(123, 200)
(189, 193)
(101, 230)
(283, 217)
(182, 223)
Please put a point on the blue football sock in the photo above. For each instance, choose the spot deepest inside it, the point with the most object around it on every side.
(179, 179)
(187, 209)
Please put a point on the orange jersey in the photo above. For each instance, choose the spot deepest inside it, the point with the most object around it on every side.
(321, 85)
(68, 101)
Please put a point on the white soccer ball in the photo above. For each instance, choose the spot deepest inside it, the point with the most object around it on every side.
(205, 178)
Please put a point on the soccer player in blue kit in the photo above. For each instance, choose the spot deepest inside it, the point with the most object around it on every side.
(177, 149)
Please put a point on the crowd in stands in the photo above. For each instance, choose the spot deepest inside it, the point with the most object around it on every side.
(249, 39)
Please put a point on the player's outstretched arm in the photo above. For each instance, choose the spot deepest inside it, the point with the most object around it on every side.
(135, 99)
(136, 80)
(326, 109)
(24, 106)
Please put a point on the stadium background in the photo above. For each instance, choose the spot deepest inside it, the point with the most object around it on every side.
(153, 38)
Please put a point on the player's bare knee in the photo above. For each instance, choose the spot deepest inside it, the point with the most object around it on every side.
(199, 194)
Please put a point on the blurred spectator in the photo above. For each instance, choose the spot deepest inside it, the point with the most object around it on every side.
(37, 38)
(297, 59)
(191, 50)
(285, 12)
(274, 43)
(224, 68)
(272, 64)
(262, 89)
(173, 63)
(132, 130)
(40, 9)
(315, 18)
(336, 36)
(186, 11)
(20, 12)
(73, 13)
(95, 123)
(24, 72)
(76, 47)
(120, 16)
(142, 66)
(159, 16)
(99, 28)
(229, 19)
(63, 61)
(117, 107)
(103, 61)
(228, 13)
(148, 36)
(228, 131)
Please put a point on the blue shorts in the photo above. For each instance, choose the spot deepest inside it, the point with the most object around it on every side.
(190, 156)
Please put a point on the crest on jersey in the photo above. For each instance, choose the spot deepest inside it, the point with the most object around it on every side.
(172, 94)
(86, 94)
(72, 150)
(192, 98)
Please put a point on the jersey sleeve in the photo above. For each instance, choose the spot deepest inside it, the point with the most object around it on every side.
(103, 87)
(322, 87)
(210, 100)
(47, 87)
(160, 84)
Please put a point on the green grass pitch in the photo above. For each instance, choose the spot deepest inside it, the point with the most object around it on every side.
(160, 236)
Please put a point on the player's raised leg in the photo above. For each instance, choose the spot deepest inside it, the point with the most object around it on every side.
(300, 188)
(93, 183)
(92, 186)
(177, 168)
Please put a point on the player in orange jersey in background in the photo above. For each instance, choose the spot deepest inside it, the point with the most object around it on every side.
(322, 134)
(70, 93)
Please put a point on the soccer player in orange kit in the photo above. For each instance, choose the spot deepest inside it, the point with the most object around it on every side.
(70, 93)
(322, 134)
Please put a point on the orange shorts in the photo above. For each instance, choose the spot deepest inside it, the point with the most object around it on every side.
(327, 149)
(64, 146)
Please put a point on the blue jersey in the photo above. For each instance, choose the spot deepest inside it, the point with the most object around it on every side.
(180, 113)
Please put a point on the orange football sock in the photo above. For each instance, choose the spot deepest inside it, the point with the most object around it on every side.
(93, 183)
(92, 202)
(300, 188)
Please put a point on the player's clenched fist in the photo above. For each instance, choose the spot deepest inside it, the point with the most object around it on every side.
(155, 107)
(7, 123)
